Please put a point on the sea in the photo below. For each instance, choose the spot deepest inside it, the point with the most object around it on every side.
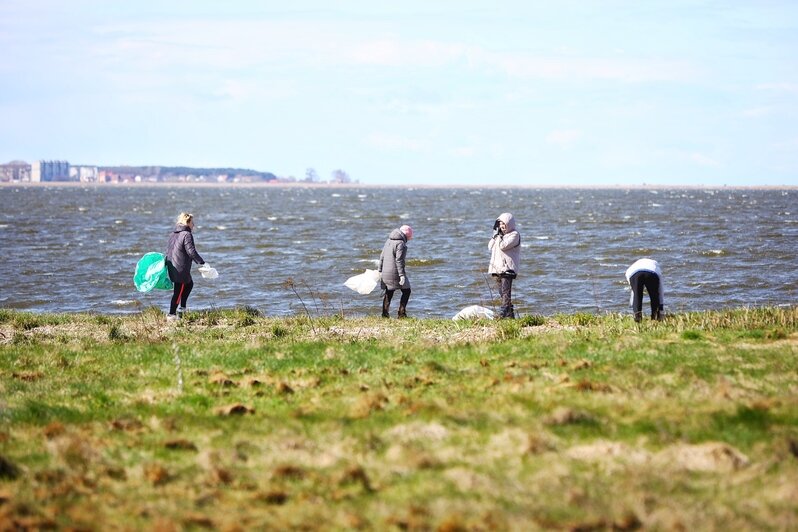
(288, 250)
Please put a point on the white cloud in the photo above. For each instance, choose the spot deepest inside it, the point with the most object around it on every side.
(237, 44)
(564, 138)
(463, 151)
(789, 144)
(389, 142)
(703, 160)
(394, 52)
(778, 87)
(758, 112)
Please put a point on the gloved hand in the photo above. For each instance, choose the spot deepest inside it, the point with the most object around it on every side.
(497, 232)
(401, 280)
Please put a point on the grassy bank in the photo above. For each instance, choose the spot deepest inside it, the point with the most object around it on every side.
(230, 420)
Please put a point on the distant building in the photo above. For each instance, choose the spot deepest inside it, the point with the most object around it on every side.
(45, 171)
(15, 171)
(84, 174)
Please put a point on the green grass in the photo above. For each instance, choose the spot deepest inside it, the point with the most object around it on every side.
(230, 419)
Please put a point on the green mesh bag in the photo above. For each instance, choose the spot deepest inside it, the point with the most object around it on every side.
(151, 273)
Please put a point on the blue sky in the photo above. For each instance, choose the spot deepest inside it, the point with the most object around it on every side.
(573, 92)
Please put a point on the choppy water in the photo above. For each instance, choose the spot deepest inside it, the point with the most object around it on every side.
(67, 249)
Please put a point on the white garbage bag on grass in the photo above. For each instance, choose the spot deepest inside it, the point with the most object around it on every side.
(364, 283)
(475, 312)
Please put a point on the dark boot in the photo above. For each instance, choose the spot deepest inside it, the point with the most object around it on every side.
(386, 303)
(403, 303)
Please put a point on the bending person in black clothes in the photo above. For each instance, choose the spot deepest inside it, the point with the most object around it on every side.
(645, 273)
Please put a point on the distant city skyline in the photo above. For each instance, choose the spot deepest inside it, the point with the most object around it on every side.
(473, 92)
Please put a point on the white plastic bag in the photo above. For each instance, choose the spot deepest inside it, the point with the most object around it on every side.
(364, 283)
(208, 272)
(475, 311)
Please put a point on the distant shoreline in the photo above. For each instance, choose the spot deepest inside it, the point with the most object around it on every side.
(75, 184)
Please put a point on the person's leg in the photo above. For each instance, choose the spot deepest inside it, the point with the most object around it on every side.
(636, 282)
(184, 297)
(386, 303)
(507, 297)
(403, 302)
(505, 285)
(651, 281)
(499, 293)
(176, 295)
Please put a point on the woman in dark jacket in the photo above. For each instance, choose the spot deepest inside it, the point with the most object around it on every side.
(180, 252)
(392, 269)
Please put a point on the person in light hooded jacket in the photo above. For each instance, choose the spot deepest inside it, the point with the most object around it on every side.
(392, 270)
(505, 256)
(180, 252)
(646, 273)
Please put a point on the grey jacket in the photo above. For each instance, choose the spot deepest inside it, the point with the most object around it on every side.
(392, 261)
(179, 253)
(505, 250)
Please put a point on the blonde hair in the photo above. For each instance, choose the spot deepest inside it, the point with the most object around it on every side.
(184, 218)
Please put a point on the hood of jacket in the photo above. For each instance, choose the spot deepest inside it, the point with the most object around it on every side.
(509, 221)
(396, 234)
(179, 228)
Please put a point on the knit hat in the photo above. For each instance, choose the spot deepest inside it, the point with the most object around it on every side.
(407, 231)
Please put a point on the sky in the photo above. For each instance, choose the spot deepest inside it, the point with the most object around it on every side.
(466, 92)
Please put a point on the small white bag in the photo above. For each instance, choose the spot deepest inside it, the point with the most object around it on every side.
(474, 312)
(208, 272)
(364, 283)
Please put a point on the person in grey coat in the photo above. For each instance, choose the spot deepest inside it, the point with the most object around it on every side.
(505, 256)
(392, 270)
(180, 252)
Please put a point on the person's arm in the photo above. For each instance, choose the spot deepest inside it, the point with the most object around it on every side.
(510, 240)
(401, 251)
(661, 294)
(188, 244)
(382, 256)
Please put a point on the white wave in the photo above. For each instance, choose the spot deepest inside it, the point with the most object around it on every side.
(656, 205)
(541, 238)
(221, 227)
(3, 226)
(361, 196)
(118, 222)
(571, 221)
(336, 195)
(122, 302)
(271, 218)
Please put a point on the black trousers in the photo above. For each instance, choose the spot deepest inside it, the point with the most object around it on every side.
(180, 295)
(649, 281)
(505, 287)
(386, 302)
